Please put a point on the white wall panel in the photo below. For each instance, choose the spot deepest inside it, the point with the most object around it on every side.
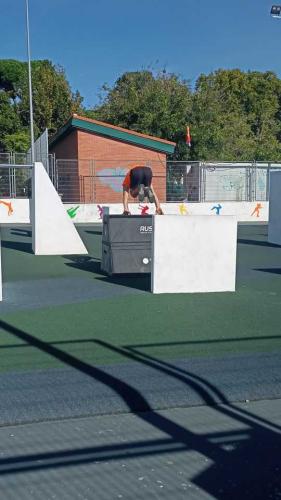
(194, 254)
(0, 269)
(244, 211)
(274, 223)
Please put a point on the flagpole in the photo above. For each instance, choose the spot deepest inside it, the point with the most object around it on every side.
(188, 137)
(29, 84)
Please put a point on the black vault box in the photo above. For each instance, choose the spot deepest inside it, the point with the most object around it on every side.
(126, 244)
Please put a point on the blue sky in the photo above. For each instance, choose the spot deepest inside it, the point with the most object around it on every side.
(96, 41)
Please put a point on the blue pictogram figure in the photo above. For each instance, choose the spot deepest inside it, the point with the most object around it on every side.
(217, 208)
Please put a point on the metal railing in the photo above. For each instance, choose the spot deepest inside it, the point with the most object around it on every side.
(218, 181)
(100, 181)
(15, 181)
(15, 174)
(25, 158)
(236, 181)
(91, 181)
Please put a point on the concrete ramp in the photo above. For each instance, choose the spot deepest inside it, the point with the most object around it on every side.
(53, 232)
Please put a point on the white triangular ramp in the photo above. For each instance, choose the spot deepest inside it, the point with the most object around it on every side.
(53, 232)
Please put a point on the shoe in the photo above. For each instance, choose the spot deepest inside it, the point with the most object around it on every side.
(148, 193)
(141, 194)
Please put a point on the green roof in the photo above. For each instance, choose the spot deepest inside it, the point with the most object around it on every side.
(113, 132)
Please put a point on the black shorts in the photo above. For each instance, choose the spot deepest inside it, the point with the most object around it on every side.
(140, 175)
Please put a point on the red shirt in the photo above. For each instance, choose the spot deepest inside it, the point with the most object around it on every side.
(127, 181)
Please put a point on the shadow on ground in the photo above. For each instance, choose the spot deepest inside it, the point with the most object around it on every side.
(272, 270)
(91, 265)
(244, 463)
(20, 246)
(258, 243)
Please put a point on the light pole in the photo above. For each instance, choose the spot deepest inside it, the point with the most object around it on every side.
(29, 84)
(276, 11)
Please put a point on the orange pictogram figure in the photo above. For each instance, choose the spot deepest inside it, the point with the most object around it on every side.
(144, 209)
(182, 209)
(256, 212)
(8, 205)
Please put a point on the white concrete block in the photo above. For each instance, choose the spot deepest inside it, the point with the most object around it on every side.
(53, 232)
(274, 222)
(194, 254)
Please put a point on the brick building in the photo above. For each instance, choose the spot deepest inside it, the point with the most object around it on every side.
(93, 157)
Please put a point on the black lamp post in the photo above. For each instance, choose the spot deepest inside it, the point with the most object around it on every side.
(276, 11)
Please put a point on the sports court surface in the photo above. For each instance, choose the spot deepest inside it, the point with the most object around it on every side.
(77, 346)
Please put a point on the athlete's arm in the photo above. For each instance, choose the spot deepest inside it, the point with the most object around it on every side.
(125, 199)
(156, 201)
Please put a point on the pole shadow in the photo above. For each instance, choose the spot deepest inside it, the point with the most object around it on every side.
(244, 463)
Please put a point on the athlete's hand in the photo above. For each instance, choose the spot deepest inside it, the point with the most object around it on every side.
(159, 211)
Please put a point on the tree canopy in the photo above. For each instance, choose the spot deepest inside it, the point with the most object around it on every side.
(236, 116)
(157, 105)
(233, 115)
(53, 101)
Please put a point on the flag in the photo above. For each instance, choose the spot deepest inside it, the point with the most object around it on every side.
(188, 137)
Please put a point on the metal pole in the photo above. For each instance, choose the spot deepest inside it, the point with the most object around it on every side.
(29, 85)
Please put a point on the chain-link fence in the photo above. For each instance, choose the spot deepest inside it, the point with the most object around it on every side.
(218, 181)
(184, 181)
(100, 181)
(25, 159)
(235, 182)
(74, 180)
(15, 181)
(15, 174)
(5, 158)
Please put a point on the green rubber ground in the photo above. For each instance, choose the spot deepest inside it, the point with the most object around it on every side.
(163, 326)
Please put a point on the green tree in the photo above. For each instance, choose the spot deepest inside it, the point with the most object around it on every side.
(53, 101)
(157, 105)
(17, 142)
(9, 118)
(12, 74)
(236, 116)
